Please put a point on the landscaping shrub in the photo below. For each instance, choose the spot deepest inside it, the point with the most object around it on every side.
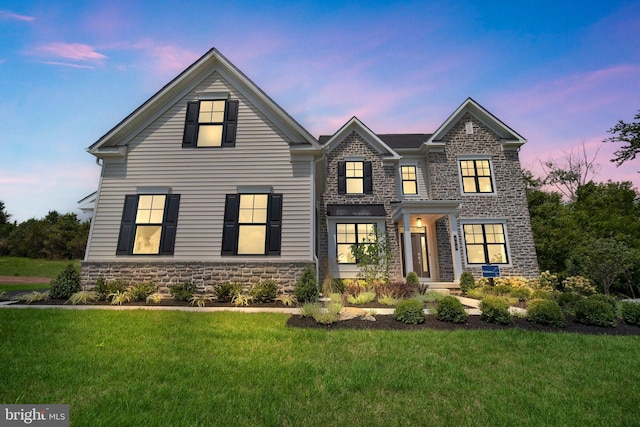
(522, 294)
(141, 291)
(65, 284)
(226, 292)
(546, 312)
(450, 309)
(579, 285)
(568, 300)
(631, 313)
(596, 312)
(467, 282)
(397, 289)
(326, 316)
(606, 299)
(409, 311)
(83, 297)
(413, 279)
(500, 290)
(362, 298)
(182, 291)
(265, 291)
(104, 288)
(541, 294)
(386, 299)
(495, 310)
(306, 289)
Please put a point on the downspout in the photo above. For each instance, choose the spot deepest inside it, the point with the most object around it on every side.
(314, 212)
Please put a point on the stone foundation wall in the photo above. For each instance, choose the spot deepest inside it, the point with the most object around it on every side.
(201, 273)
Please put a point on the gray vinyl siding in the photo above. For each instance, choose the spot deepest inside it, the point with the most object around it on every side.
(203, 177)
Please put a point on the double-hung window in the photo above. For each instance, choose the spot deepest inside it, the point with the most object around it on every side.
(352, 234)
(211, 123)
(355, 177)
(485, 243)
(252, 224)
(409, 180)
(148, 225)
(476, 176)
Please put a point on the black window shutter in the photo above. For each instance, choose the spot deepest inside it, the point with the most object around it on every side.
(342, 178)
(368, 178)
(274, 224)
(230, 124)
(190, 137)
(230, 225)
(170, 224)
(128, 225)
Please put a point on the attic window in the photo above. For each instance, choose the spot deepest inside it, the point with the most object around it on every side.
(469, 128)
(210, 123)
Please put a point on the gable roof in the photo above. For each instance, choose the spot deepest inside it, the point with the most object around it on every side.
(355, 125)
(180, 86)
(509, 137)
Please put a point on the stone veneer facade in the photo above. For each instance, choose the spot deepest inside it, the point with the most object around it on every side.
(508, 203)
(384, 192)
(202, 274)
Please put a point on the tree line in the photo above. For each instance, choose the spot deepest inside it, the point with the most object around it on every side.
(56, 236)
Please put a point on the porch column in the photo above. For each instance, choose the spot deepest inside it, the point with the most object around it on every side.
(408, 251)
(456, 247)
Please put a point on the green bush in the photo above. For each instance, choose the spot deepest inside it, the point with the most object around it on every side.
(495, 310)
(265, 291)
(631, 313)
(595, 312)
(141, 291)
(522, 294)
(104, 288)
(541, 294)
(362, 298)
(606, 299)
(546, 312)
(568, 300)
(450, 309)
(579, 285)
(306, 289)
(65, 284)
(467, 282)
(409, 311)
(413, 279)
(396, 289)
(182, 291)
(226, 292)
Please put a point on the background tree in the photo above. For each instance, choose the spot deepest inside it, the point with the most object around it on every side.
(605, 261)
(571, 170)
(629, 134)
(5, 227)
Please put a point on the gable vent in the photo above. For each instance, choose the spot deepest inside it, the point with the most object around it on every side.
(469, 128)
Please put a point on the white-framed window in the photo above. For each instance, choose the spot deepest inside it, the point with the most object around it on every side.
(476, 176)
(409, 180)
(485, 243)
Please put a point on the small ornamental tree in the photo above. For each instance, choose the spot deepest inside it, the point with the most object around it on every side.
(373, 256)
(65, 284)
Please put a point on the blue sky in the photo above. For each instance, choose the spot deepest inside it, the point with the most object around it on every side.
(559, 73)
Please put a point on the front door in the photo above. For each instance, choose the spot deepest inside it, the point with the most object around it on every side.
(419, 254)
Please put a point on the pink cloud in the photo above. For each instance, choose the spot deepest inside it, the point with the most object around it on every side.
(5, 14)
(67, 64)
(71, 51)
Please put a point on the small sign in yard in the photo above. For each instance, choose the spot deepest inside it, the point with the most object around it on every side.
(490, 271)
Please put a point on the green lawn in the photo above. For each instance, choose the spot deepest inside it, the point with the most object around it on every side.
(15, 266)
(174, 368)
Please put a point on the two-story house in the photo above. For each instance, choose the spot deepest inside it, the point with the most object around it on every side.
(210, 180)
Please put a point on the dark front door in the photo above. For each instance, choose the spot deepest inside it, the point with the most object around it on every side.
(419, 252)
(419, 255)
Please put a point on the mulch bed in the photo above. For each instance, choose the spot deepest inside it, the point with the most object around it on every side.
(474, 323)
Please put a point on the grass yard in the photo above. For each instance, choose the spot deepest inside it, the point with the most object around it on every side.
(15, 266)
(174, 368)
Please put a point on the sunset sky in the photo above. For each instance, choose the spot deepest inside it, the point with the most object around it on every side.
(559, 73)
